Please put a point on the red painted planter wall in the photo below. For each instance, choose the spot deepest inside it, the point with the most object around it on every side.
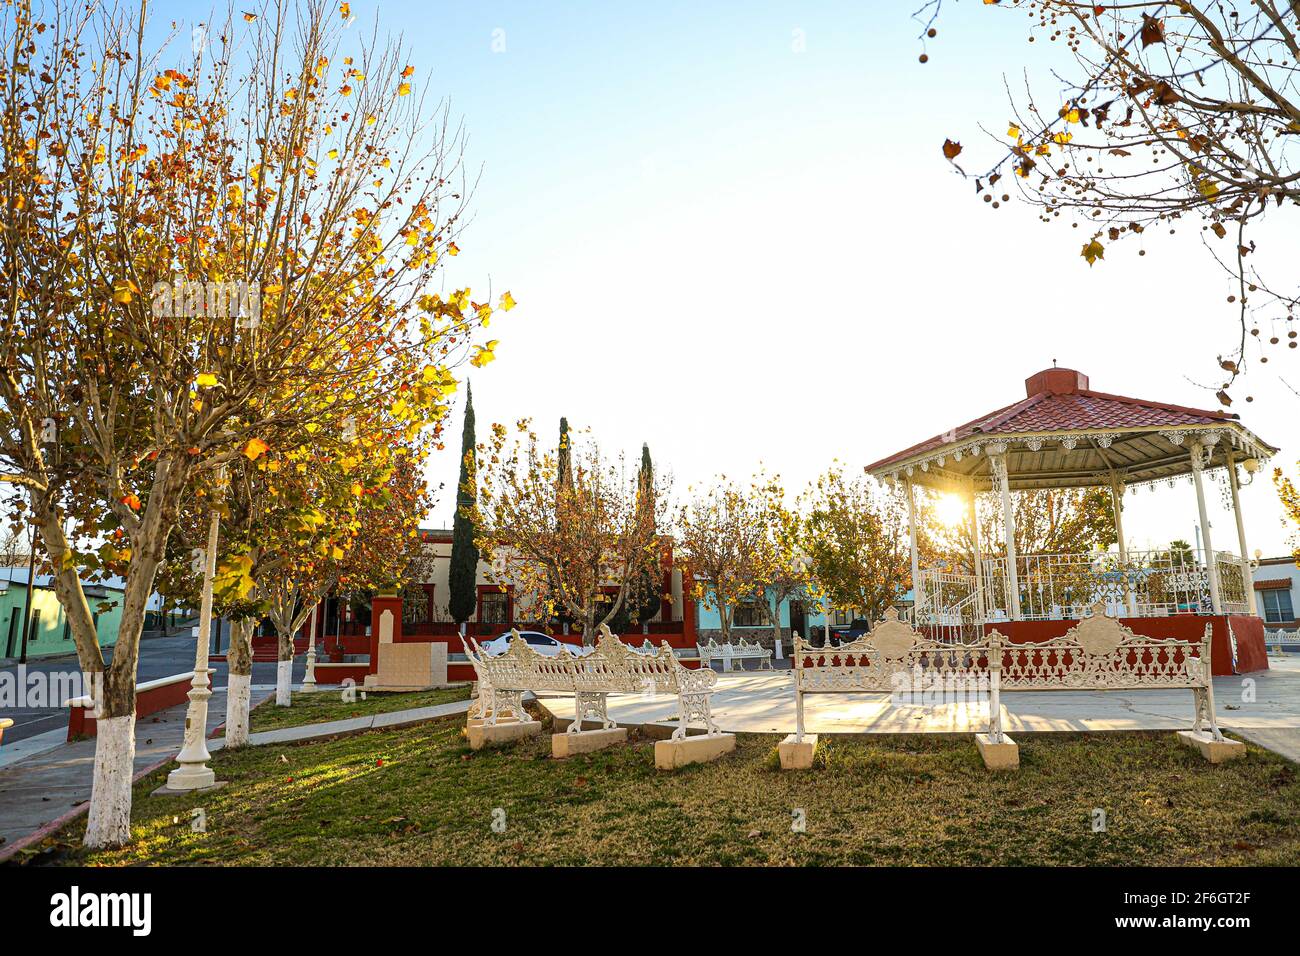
(81, 723)
(1249, 631)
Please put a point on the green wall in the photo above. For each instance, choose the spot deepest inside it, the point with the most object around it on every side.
(50, 633)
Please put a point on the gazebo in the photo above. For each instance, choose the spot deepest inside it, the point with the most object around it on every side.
(1065, 435)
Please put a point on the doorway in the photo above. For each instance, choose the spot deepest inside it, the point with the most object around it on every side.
(798, 619)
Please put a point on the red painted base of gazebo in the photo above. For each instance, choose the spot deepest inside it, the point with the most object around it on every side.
(1248, 629)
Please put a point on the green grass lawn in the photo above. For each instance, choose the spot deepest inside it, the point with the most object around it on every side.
(326, 705)
(419, 796)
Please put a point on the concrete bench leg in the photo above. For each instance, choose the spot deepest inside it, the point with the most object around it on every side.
(797, 754)
(585, 741)
(1002, 755)
(489, 735)
(678, 752)
(1215, 751)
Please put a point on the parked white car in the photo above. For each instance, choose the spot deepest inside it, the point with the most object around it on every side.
(543, 644)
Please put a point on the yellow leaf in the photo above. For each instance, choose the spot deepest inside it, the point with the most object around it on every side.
(255, 448)
(1013, 131)
(507, 302)
(403, 89)
(1093, 251)
(1060, 139)
(205, 380)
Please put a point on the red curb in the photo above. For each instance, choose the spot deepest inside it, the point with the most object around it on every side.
(59, 823)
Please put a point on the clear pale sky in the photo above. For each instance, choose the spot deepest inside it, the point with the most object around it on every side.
(741, 253)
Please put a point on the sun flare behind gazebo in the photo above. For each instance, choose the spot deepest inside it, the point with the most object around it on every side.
(1065, 435)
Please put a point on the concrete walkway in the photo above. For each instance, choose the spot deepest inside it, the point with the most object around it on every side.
(45, 785)
(354, 725)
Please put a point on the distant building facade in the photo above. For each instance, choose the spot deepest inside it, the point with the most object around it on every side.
(1277, 591)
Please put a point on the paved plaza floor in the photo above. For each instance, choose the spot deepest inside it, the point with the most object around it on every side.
(763, 702)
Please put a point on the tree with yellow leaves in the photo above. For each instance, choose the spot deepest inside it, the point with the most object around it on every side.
(572, 540)
(1172, 115)
(200, 262)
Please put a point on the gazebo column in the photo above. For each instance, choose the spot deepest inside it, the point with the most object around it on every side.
(1246, 575)
(1212, 572)
(916, 563)
(977, 558)
(998, 462)
(1117, 503)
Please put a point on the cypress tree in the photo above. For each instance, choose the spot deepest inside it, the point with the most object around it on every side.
(564, 464)
(462, 575)
(642, 602)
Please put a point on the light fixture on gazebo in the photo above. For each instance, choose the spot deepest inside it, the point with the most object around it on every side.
(1065, 435)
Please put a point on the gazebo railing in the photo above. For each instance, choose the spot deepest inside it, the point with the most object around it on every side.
(1065, 586)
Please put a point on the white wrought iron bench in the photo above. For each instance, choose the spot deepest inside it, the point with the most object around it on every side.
(1280, 639)
(739, 652)
(611, 668)
(1098, 653)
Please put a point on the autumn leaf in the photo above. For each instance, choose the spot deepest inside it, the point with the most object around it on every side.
(255, 448)
(403, 89)
(205, 380)
(250, 17)
(1153, 31)
(951, 150)
(507, 302)
(1013, 131)
(1218, 230)
(1093, 251)
(483, 354)
(132, 502)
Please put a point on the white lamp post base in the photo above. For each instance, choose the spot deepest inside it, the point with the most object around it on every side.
(191, 778)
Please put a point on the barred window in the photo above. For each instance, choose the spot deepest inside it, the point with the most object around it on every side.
(750, 614)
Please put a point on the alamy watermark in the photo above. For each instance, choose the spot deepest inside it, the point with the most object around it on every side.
(22, 687)
(192, 299)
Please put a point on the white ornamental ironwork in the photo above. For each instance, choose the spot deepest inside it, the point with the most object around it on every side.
(740, 651)
(1098, 653)
(591, 675)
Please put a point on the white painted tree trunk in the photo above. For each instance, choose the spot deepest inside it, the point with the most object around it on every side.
(283, 683)
(109, 822)
(238, 692)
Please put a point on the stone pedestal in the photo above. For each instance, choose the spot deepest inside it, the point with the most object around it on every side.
(489, 735)
(406, 667)
(671, 754)
(1215, 751)
(1004, 755)
(585, 741)
(797, 754)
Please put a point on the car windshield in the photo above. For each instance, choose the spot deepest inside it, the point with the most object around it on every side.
(538, 639)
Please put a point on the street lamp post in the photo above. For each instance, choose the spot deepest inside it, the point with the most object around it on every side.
(309, 679)
(194, 772)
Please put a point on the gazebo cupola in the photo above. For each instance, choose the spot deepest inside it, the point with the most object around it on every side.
(1064, 434)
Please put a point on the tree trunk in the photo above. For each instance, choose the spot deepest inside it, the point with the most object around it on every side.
(284, 669)
(776, 624)
(109, 821)
(239, 658)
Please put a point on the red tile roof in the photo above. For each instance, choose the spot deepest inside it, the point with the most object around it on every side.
(1065, 403)
(1272, 584)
